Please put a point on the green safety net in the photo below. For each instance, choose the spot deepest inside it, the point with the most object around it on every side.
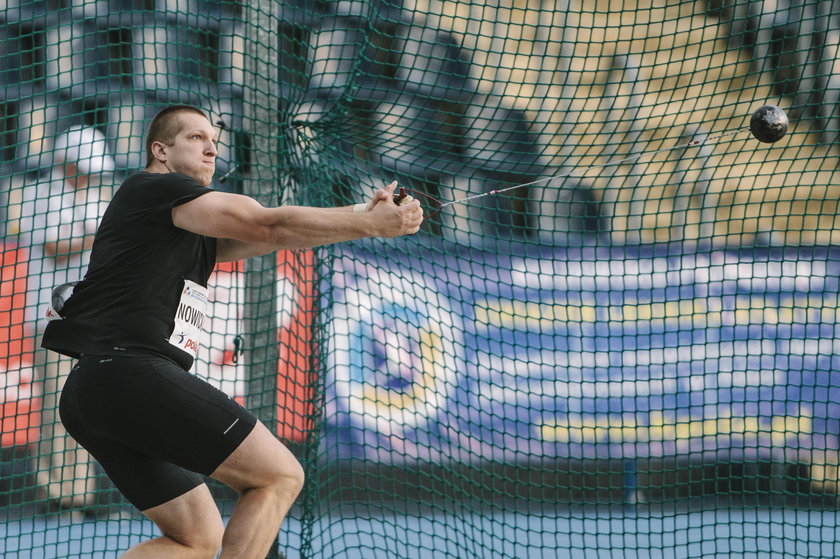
(614, 335)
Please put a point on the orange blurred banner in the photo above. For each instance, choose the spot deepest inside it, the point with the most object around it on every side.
(18, 402)
(296, 368)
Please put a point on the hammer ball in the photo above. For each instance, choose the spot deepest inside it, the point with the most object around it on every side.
(769, 124)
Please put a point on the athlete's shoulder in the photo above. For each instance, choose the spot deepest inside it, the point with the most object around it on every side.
(158, 186)
(145, 179)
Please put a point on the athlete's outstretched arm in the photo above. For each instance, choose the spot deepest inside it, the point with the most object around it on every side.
(245, 228)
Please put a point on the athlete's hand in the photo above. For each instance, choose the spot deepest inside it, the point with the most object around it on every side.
(395, 220)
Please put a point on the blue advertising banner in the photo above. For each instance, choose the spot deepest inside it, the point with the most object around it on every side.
(584, 353)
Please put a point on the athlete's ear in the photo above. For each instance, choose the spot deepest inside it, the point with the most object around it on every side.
(159, 150)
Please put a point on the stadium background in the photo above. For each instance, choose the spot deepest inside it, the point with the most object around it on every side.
(637, 360)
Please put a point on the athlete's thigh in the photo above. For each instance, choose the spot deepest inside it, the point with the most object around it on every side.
(155, 407)
(260, 460)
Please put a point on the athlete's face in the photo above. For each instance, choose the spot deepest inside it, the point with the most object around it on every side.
(194, 151)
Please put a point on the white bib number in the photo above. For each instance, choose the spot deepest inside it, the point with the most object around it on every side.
(189, 318)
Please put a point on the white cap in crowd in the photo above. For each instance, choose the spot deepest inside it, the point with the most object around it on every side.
(86, 148)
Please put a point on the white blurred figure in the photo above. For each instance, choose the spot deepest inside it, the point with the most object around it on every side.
(57, 221)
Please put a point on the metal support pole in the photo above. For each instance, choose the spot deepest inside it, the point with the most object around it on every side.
(260, 119)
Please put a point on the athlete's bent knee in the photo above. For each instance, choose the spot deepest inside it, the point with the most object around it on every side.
(294, 478)
(205, 543)
(211, 542)
(286, 480)
(203, 540)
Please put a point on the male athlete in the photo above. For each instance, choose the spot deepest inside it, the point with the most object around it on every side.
(130, 401)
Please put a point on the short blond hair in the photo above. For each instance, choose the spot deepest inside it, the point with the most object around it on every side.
(165, 126)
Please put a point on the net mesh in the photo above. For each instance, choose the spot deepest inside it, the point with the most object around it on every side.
(628, 352)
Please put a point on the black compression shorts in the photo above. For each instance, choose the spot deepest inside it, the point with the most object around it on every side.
(153, 426)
